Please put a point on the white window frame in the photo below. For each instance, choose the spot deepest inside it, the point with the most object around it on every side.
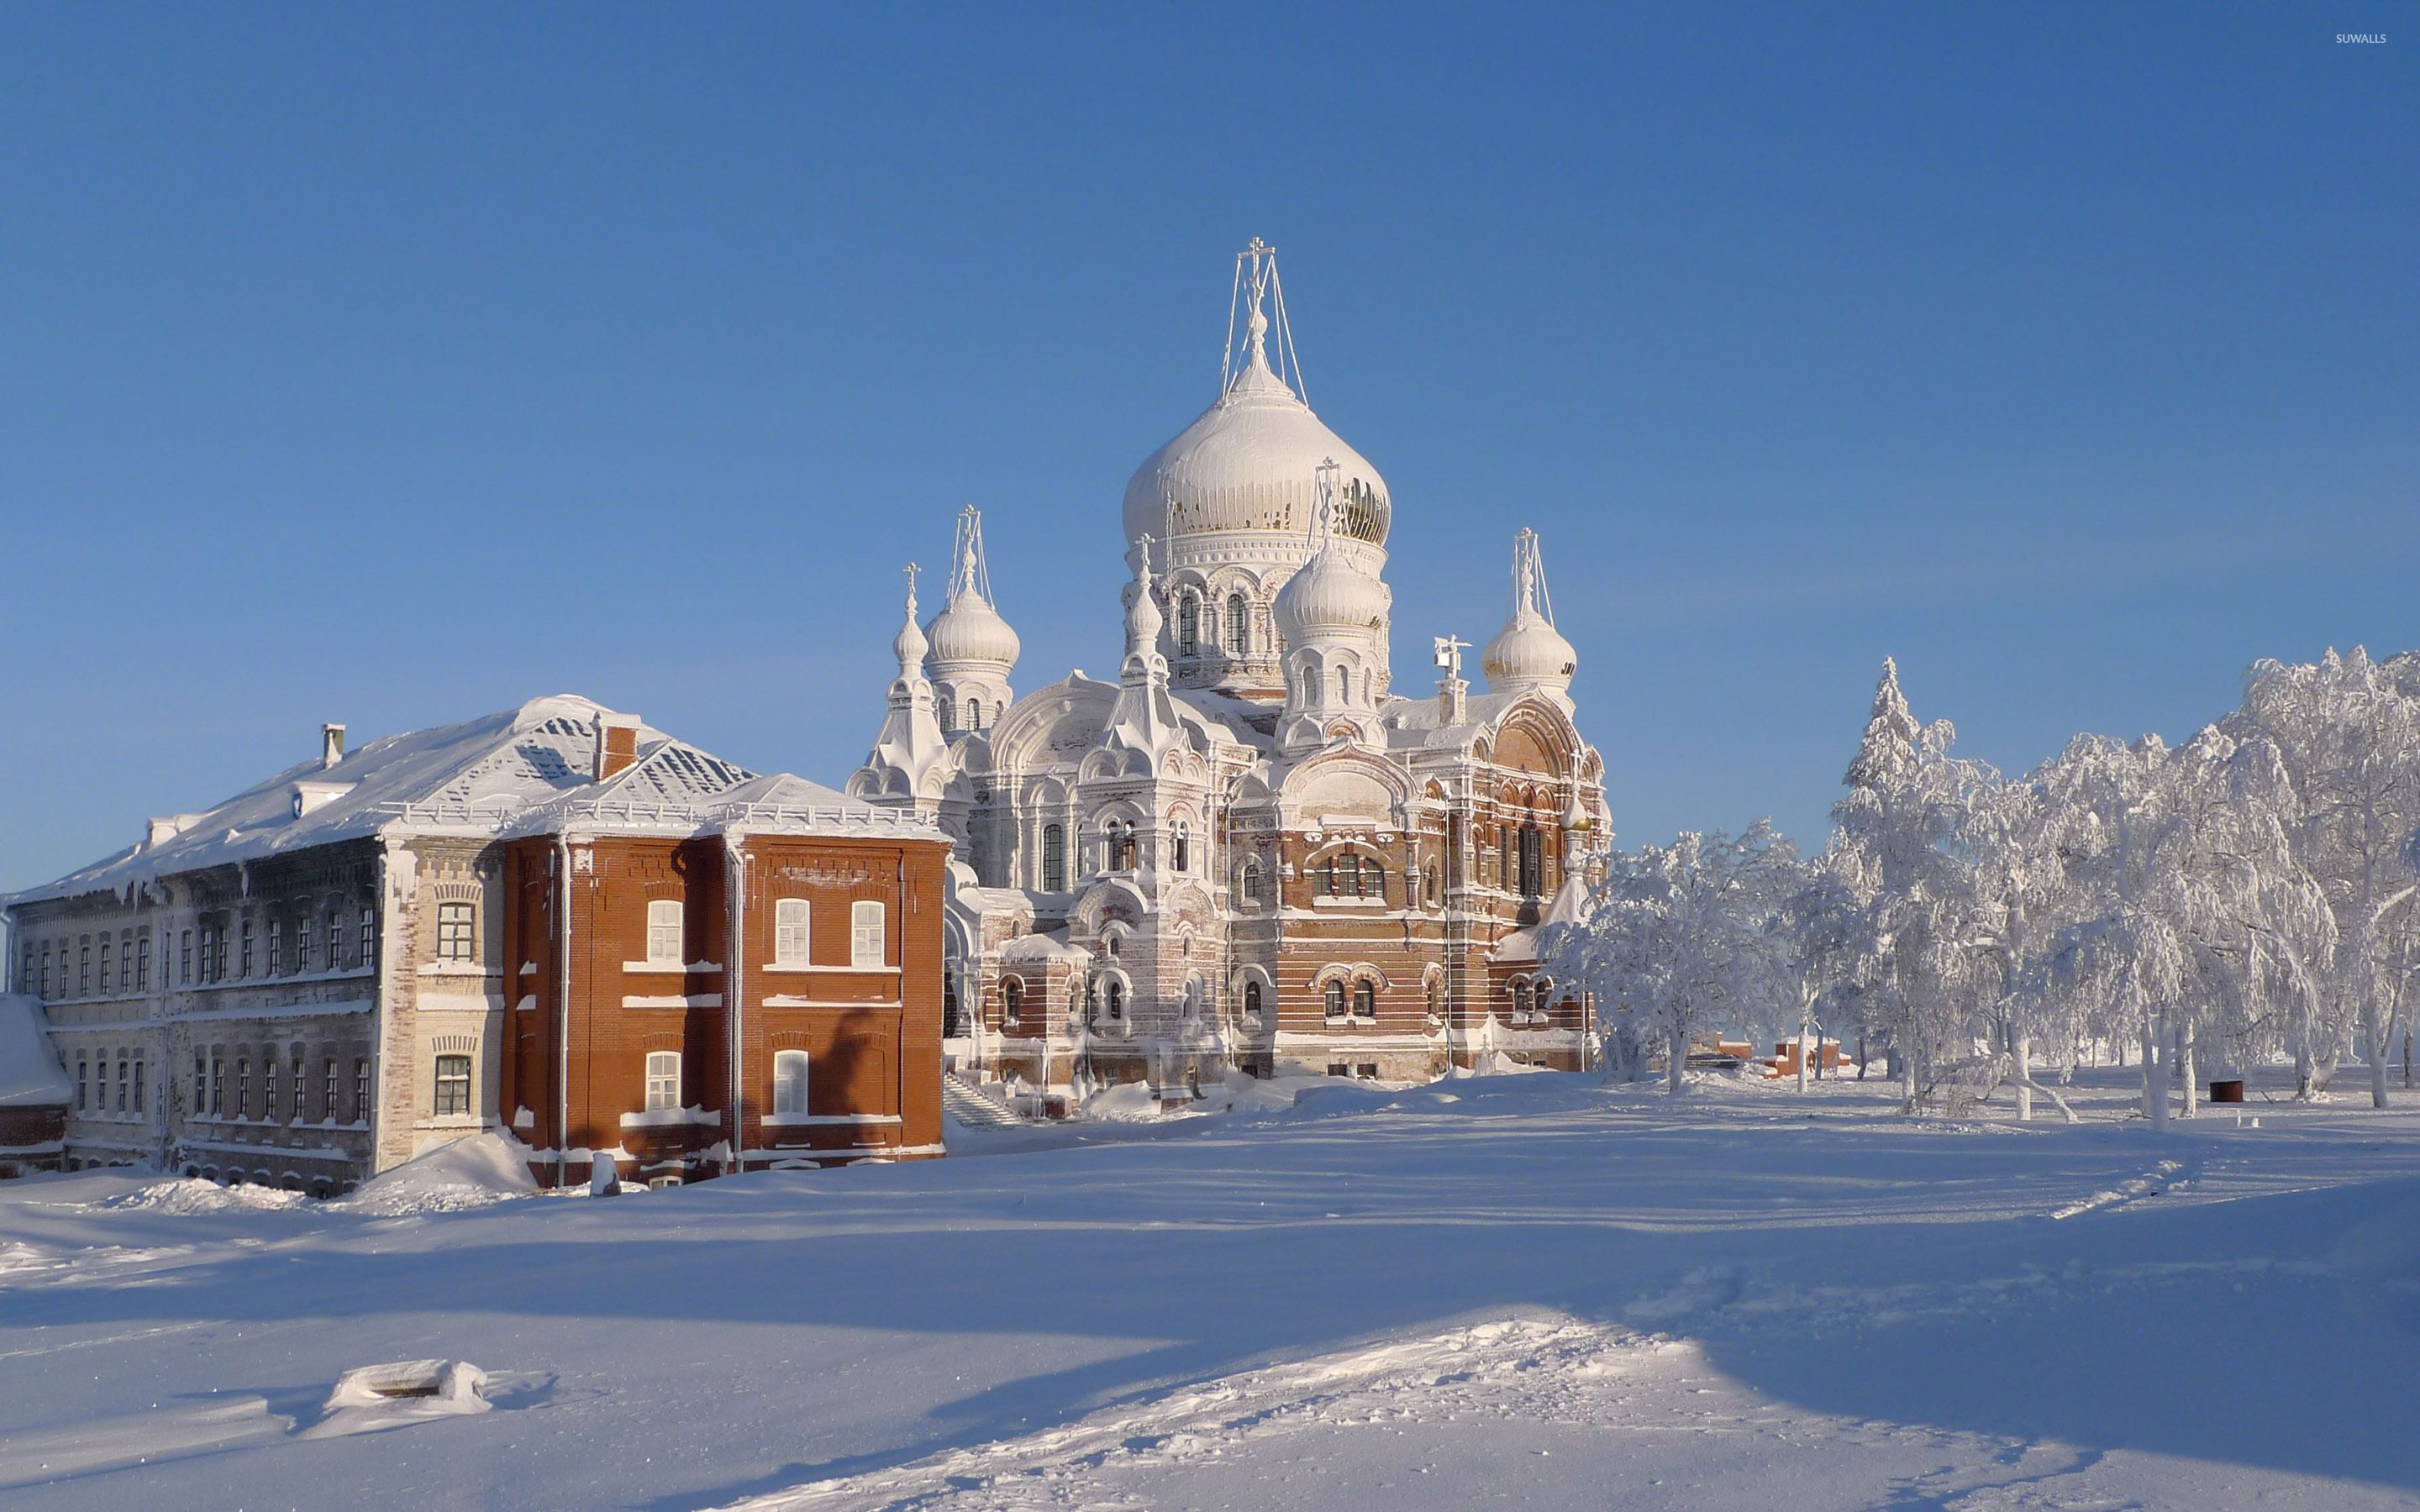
(458, 932)
(792, 942)
(790, 1072)
(663, 1080)
(665, 923)
(866, 927)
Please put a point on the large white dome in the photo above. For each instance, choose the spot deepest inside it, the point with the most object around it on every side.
(1250, 462)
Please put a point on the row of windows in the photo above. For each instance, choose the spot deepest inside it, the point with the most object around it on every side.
(1349, 874)
(92, 1081)
(792, 935)
(212, 951)
(974, 715)
(287, 1088)
(1188, 626)
(1343, 685)
(663, 1081)
(1364, 1001)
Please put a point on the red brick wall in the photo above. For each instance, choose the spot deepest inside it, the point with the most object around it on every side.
(873, 1037)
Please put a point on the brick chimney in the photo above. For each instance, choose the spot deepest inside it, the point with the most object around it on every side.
(332, 744)
(618, 744)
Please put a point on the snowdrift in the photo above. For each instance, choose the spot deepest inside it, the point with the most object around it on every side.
(471, 1172)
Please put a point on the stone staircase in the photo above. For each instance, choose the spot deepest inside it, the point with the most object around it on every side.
(972, 1109)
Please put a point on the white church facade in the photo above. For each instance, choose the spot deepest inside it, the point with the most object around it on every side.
(1246, 850)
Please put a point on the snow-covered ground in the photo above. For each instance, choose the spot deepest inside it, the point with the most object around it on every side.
(1523, 1290)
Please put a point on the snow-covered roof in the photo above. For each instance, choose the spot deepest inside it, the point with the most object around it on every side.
(1043, 948)
(524, 770)
(30, 1073)
(1420, 723)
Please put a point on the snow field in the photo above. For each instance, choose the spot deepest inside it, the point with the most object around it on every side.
(1530, 1291)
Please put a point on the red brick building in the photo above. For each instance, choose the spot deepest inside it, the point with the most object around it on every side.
(762, 991)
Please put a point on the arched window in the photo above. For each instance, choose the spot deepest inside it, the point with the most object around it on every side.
(1188, 626)
(1343, 685)
(1181, 847)
(1113, 1000)
(1520, 1001)
(1310, 685)
(1012, 1000)
(1365, 999)
(949, 713)
(1125, 848)
(1335, 1002)
(1250, 884)
(1054, 858)
(1253, 1001)
(1239, 624)
(1541, 996)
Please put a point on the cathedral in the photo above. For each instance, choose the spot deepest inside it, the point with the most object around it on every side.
(1248, 852)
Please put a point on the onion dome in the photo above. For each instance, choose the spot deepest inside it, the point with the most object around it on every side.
(1529, 652)
(970, 633)
(909, 645)
(1248, 463)
(1143, 619)
(1329, 594)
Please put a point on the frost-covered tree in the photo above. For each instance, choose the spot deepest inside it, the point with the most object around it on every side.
(1821, 924)
(2347, 731)
(1893, 848)
(1684, 937)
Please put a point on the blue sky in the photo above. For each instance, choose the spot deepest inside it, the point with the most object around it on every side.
(396, 365)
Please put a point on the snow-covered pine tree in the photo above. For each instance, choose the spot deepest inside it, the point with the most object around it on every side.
(1892, 849)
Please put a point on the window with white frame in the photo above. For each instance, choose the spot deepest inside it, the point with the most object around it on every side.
(453, 1084)
(663, 1080)
(455, 924)
(790, 1081)
(664, 931)
(865, 933)
(790, 932)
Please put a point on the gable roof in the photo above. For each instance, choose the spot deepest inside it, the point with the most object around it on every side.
(524, 770)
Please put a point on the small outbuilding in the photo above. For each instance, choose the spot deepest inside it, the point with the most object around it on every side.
(34, 1090)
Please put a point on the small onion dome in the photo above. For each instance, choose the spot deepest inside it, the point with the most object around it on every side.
(1528, 653)
(909, 645)
(968, 633)
(1328, 595)
(1143, 619)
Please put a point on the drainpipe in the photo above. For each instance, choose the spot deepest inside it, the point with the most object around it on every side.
(562, 859)
(734, 907)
